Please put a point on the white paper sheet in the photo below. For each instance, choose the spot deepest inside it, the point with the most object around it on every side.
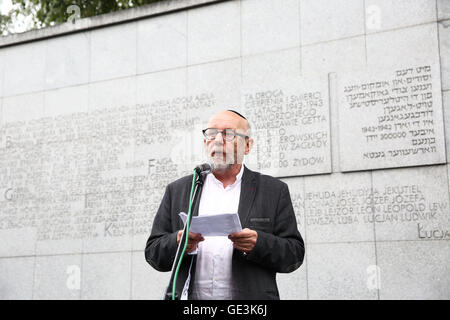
(214, 225)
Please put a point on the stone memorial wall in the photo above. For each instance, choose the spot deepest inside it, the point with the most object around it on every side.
(349, 105)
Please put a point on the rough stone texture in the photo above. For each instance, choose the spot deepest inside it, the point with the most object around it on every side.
(97, 117)
(291, 126)
(267, 68)
(147, 283)
(416, 45)
(324, 20)
(25, 107)
(214, 33)
(337, 207)
(408, 275)
(67, 61)
(413, 202)
(294, 285)
(384, 15)
(340, 271)
(297, 191)
(334, 56)
(2, 66)
(106, 276)
(391, 118)
(161, 42)
(223, 79)
(444, 46)
(264, 25)
(24, 68)
(20, 241)
(110, 45)
(57, 277)
(76, 99)
(17, 278)
(446, 111)
(2, 138)
(443, 7)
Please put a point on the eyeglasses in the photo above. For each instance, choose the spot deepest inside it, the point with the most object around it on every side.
(227, 134)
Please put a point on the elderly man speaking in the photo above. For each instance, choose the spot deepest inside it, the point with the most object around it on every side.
(244, 264)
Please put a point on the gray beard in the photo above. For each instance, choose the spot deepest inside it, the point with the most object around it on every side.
(219, 164)
(222, 167)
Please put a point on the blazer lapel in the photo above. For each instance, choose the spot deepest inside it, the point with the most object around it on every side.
(248, 191)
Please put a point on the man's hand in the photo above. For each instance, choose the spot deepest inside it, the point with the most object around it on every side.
(244, 240)
(193, 240)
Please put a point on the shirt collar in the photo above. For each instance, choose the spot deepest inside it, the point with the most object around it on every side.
(238, 178)
(239, 175)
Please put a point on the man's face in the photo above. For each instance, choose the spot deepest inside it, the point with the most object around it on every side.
(222, 152)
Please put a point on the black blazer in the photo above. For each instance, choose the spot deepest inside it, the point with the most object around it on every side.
(265, 206)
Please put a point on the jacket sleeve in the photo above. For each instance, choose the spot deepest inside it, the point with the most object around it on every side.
(162, 244)
(284, 250)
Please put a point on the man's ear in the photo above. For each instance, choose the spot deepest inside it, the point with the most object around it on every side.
(249, 145)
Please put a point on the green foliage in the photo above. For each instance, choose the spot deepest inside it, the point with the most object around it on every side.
(5, 23)
(50, 12)
(5, 20)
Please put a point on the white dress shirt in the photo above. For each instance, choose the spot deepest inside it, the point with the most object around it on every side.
(213, 268)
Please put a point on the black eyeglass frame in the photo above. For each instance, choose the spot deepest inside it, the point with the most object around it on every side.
(224, 135)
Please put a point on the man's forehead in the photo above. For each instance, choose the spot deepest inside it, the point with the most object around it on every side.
(226, 119)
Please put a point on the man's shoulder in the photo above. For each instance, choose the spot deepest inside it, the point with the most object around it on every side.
(181, 182)
(274, 182)
(267, 180)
